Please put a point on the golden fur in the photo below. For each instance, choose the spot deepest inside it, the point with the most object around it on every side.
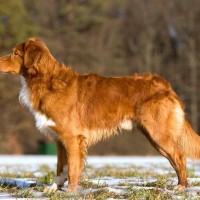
(80, 110)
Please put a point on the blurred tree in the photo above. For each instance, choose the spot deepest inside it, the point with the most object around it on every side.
(88, 34)
(146, 39)
(114, 37)
(15, 23)
(163, 37)
(187, 24)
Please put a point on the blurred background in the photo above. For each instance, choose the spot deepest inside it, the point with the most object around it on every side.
(111, 38)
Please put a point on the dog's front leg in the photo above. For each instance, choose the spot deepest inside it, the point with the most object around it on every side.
(76, 150)
(73, 163)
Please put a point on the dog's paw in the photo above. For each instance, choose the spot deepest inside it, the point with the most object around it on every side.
(51, 189)
(179, 188)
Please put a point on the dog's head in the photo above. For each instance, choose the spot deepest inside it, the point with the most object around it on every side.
(30, 57)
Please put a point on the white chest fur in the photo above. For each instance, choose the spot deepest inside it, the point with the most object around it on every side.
(42, 122)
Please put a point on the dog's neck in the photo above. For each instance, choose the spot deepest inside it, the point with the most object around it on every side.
(42, 85)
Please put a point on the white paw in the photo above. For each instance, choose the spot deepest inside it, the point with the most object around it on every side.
(51, 189)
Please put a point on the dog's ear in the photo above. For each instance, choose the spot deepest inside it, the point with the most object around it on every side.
(33, 54)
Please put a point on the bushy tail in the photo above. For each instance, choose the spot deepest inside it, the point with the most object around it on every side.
(190, 141)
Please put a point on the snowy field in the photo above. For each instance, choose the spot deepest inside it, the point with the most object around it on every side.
(104, 178)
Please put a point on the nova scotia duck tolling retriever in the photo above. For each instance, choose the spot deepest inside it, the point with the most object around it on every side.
(80, 110)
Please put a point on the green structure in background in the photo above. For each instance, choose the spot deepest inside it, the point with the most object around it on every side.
(47, 148)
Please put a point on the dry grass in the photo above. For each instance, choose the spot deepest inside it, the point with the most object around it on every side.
(95, 188)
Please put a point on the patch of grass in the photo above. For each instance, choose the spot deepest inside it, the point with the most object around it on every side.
(17, 192)
(195, 184)
(191, 173)
(48, 178)
(161, 182)
(162, 188)
(61, 195)
(7, 188)
(90, 184)
(25, 193)
(103, 194)
(125, 184)
(152, 194)
(44, 169)
(20, 174)
(115, 172)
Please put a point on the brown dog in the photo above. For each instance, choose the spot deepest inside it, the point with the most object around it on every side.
(80, 110)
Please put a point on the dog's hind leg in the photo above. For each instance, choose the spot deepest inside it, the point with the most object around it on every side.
(176, 158)
(61, 159)
(62, 168)
(163, 126)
